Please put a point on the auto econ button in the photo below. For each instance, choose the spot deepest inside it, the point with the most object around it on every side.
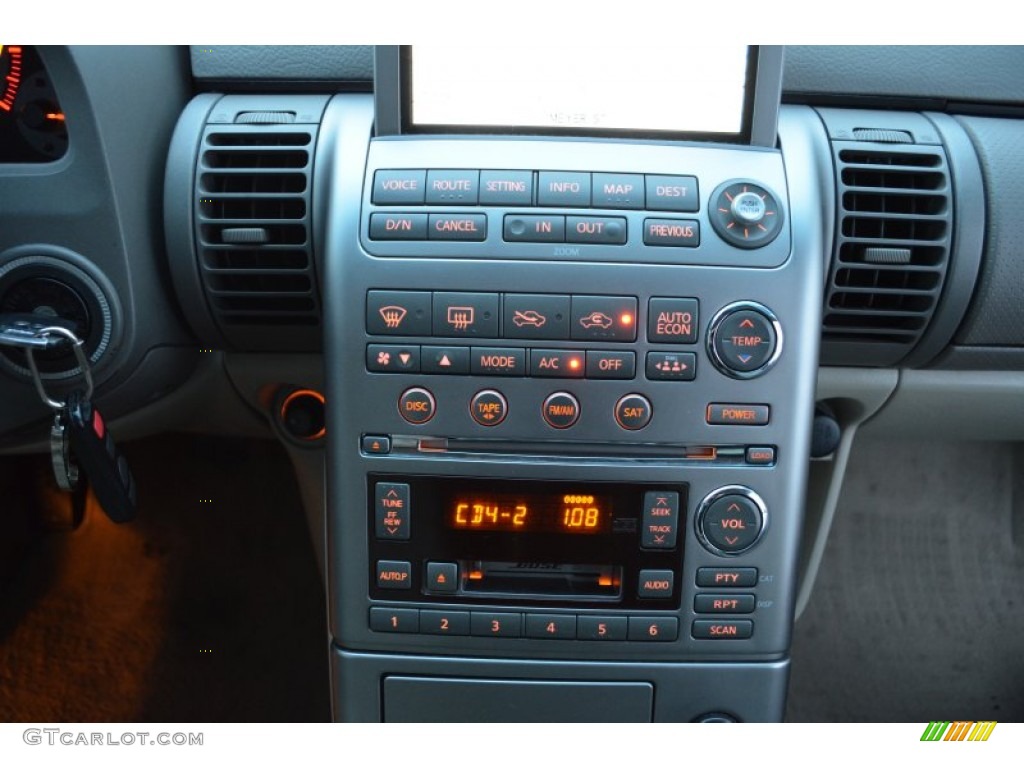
(398, 226)
(672, 320)
(399, 187)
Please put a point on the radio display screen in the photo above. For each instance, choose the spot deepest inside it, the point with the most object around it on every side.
(529, 512)
(698, 91)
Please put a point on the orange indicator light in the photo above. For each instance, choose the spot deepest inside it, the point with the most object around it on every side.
(626, 318)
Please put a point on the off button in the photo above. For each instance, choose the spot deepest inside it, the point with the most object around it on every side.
(417, 405)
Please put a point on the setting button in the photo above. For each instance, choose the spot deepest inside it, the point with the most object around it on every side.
(603, 318)
(488, 408)
(452, 187)
(730, 521)
(672, 193)
(536, 316)
(398, 226)
(633, 412)
(744, 341)
(560, 189)
(466, 314)
(561, 410)
(605, 230)
(416, 405)
(618, 190)
(506, 188)
(533, 228)
(738, 629)
(458, 226)
(708, 603)
(660, 520)
(398, 187)
(392, 511)
(398, 313)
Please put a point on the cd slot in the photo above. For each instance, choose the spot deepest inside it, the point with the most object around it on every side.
(541, 580)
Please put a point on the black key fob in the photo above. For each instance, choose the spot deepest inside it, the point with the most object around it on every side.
(99, 459)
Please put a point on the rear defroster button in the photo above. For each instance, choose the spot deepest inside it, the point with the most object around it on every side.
(633, 412)
(417, 405)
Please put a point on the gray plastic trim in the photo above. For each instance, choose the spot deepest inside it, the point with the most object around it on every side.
(967, 244)
(387, 93)
(179, 201)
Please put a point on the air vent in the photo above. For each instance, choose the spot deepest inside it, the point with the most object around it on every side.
(893, 235)
(252, 225)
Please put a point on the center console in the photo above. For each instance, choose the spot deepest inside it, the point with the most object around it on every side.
(571, 384)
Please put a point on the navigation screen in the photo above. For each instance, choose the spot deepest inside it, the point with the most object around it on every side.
(625, 90)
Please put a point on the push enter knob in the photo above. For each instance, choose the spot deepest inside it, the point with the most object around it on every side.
(745, 214)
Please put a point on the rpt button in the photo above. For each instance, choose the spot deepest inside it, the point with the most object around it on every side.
(661, 520)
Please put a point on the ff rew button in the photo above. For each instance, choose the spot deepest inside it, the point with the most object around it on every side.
(633, 412)
(391, 507)
(416, 405)
(488, 408)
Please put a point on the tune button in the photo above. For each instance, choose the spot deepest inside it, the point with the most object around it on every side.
(633, 412)
(561, 410)
(488, 407)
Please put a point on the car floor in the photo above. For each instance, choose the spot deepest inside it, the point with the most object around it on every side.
(918, 611)
(207, 608)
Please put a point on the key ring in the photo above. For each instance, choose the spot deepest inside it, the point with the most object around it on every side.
(83, 363)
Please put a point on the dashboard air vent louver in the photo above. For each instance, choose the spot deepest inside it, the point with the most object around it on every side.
(892, 245)
(253, 230)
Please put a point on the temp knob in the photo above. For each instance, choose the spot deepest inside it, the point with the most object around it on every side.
(731, 520)
(745, 214)
(744, 340)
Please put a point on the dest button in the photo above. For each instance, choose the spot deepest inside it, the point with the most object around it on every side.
(672, 193)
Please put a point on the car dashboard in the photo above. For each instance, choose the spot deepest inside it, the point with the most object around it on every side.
(569, 412)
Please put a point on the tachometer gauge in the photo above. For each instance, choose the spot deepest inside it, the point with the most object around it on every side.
(10, 75)
(32, 127)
